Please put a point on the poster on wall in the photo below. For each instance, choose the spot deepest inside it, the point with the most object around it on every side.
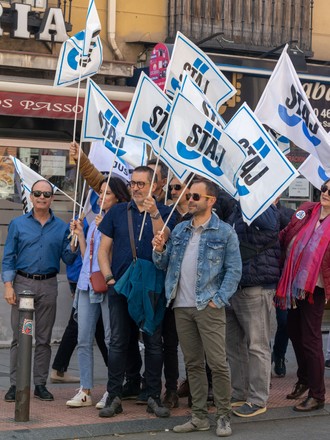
(6, 172)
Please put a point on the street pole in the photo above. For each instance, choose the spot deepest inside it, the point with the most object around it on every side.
(24, 356)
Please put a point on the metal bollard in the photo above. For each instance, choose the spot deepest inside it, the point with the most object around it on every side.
(24, 355)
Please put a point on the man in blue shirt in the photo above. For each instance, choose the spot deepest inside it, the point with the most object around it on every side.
(115, 256)
(203, 264)
(35, 244)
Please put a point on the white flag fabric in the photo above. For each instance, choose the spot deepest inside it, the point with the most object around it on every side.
(285, 107)
(266, 172)
(102, 158)
(186, 56)
(194, 94)
(312, 169)
(27, 178)
(72, 66)
(102, 121)
(148, 114)
(193, 143)
(93, 27)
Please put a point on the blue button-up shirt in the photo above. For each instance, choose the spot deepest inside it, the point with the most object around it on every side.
(115, 226)
(35, 249)
(83, 281)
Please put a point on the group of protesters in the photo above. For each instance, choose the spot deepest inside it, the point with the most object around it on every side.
(195, 274)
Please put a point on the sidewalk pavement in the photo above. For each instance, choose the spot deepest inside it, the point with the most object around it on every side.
(53, 420)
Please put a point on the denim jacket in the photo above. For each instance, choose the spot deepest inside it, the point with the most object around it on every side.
(219, 265)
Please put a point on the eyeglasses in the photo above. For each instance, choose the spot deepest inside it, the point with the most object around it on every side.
(324, 189)
(176, 187)
(46, 194)
(196, 197)
(140, 185)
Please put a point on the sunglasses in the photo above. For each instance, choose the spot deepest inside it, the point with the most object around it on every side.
(46, 194)
(176, 187)
(324, 189)
(196, 197)
(140, 185)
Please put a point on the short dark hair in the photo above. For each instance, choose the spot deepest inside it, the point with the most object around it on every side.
(43, 180)
(212, 188)
(119, 188)
(148, 170)
(325, 182)
(163, 167)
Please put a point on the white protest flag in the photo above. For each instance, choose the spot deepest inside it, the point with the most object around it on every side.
(27, 178)
(312, 169)
(194, 94)
(148, 114)
(81, 56)
(194, 143)
(68, 69)
(102, 158)
(282, 142)
(186, 56)
(266, 172)
(93, 28)
(285, 107)
(102, 121)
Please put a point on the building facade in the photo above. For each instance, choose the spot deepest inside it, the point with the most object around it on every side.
(38, 120)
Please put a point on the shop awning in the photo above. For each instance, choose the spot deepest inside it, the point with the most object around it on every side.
(38, 98)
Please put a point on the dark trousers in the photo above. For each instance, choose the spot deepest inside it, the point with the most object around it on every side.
(304, 329)
(281, 336)
(70, 338)
(124, 337)
(170, 351)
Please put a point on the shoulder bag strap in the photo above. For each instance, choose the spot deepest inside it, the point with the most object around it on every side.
(91, 249)
(131, 232)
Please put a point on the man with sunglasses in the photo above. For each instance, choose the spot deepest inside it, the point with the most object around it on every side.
(35, 244)
(203, 265)
(115, 257)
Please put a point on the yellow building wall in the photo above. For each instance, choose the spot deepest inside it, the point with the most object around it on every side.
(144, 21)
(321, 30)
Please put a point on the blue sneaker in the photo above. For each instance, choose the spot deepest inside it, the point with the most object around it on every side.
(249, 410)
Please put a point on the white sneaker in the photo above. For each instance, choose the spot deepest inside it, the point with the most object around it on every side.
(101, 403)
(80, 399)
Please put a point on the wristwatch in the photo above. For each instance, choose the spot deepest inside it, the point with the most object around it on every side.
(156, 216)
(108, 278)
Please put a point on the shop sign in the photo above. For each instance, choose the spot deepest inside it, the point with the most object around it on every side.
(47, 106)
(18, 19)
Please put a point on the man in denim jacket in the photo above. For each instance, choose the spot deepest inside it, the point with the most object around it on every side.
(204, 267)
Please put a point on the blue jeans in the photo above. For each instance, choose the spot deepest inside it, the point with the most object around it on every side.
(124, 339)
(88, 315)
(281, 336)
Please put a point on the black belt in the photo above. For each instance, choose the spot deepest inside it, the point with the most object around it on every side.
(36, 276)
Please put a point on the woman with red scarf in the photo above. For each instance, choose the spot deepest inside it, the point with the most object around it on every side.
(303, 289)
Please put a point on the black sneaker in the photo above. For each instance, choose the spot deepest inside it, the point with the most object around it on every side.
(41, 392)
(279, 368)
(131, 390)
(327, 364)
(142, 398)
(10, 396)
(112, 407)
(155, 407)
